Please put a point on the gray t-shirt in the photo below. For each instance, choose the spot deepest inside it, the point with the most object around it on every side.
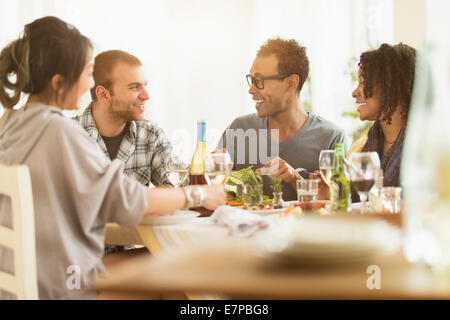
(252, 145)
(76, 190)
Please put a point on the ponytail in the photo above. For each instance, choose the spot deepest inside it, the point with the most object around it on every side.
(48, 46)
(14, 60)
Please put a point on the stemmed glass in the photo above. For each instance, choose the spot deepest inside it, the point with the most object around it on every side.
(218, 167)
(364, 168)
(326, 165)
(177, 171)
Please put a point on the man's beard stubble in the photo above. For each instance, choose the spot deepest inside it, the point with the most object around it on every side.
(119, 115)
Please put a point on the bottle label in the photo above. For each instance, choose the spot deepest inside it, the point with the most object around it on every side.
(340, 194)
(334, 193)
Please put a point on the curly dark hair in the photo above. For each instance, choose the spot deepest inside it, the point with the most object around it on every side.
(389, 71)
(291, 56)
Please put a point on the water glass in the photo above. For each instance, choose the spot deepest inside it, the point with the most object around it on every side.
(391, 199)
(252, 195)
(307, 190)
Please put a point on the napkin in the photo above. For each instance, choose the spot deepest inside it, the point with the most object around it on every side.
(240, 222)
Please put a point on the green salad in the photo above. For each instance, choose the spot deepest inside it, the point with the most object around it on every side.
(245, 177)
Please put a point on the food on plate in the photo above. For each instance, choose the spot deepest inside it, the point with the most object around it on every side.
(245, 176)
(234, 203)
(261, 207)
(235, 200)
(249, 177)
(292, 211)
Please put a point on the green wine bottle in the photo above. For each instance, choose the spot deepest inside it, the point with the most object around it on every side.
(340, 194)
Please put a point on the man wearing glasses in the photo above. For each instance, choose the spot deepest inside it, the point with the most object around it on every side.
(292, 137)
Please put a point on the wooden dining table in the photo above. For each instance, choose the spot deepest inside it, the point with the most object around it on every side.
(202, 258)
(167, 238)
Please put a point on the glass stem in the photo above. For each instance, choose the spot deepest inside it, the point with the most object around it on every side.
(363, 198)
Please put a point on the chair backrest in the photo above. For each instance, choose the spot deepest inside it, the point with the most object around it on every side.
(15, 182)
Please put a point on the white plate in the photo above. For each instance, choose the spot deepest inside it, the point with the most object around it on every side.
(180, 216)
(268, 211)
(272, 211)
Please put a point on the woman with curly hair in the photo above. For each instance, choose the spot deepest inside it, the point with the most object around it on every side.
(383, 95)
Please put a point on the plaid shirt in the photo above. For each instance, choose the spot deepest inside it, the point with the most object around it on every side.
(145, 150)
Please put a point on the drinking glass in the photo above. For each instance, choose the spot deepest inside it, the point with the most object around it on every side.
(307, 190)
(177, 171)
(252, 196)
(218, 167)
(364, 168)
(326, 165)
(391, 199)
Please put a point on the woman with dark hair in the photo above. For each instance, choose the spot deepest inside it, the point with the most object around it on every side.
(383, 95)
(76, 190)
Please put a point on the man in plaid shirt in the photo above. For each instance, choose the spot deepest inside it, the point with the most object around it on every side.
(115, 119)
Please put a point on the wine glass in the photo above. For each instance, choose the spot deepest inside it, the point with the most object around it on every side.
(326, 165)
(177, 171)
(364, 168)
(218, 167)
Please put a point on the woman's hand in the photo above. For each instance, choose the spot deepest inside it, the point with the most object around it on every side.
(215, 196)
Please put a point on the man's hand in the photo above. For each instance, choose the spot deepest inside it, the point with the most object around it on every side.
(324, 189)
(280, 169)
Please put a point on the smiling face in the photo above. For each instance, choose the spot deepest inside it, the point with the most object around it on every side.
(368, 108)
(271, 100)
(129, 93)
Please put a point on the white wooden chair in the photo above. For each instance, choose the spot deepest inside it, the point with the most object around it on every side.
(15, 182)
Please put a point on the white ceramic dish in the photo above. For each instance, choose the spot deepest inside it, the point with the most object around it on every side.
(268, 211)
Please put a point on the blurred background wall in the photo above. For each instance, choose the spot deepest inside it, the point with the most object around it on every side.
(197, 52)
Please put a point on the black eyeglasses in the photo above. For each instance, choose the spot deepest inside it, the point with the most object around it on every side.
(258, 81)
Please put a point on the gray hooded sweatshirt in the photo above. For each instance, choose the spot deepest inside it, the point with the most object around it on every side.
(76, 190)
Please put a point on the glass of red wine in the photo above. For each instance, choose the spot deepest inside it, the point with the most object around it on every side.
(364, 168)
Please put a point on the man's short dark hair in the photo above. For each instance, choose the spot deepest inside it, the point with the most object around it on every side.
(104, 65)
(291, 56)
